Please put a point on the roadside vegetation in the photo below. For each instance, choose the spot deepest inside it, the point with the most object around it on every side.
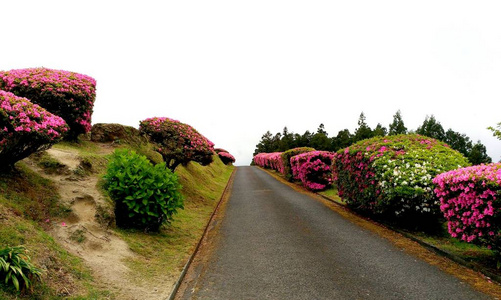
(71, 193)
(416, 184)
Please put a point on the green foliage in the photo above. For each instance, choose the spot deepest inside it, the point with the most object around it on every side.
(16, 270)
(432, 128)
(496, 131)
(363, 131)
(478, 154)
(145, 196)
(397, 126)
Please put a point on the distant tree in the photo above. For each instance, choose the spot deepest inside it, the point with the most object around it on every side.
(363, 131)
(305, 139)
(343, 139)
(432, 128)
(380, 130)
(478, 154)
(287, 140)
(265, 145)
(320, 140)
(397, 126)
(458, 141)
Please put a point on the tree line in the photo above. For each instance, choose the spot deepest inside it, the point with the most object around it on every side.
(320, 140)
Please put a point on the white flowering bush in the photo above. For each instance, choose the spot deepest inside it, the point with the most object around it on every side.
(394, 175)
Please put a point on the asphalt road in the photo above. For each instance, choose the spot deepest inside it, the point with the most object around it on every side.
(277, 243)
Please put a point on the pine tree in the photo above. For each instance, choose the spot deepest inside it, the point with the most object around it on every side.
(397, 126)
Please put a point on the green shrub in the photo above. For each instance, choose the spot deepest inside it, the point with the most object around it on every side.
(145, 195)
(16, 269)
(286, 158)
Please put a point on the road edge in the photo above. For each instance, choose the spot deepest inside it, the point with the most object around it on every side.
(197, 248)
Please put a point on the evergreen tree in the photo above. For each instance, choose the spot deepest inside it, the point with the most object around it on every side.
(363, 131)
(459, 142)
(267, 144)
(432, 128)
(478, 154)
(287, 140)
(320, 140)
(397, 126)
(343, 139)
(380, 130)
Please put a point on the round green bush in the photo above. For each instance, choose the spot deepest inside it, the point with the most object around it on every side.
(393, 175)
(145, 195)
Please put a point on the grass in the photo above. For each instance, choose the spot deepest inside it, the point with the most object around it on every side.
(27, 201)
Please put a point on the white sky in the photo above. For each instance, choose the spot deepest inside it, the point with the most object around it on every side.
(235, 69)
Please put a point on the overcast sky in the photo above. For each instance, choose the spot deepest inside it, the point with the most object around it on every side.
(235, 69)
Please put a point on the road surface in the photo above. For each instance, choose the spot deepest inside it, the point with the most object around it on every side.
(276, 243)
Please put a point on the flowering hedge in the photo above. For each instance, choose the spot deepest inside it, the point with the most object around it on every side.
(25, 128)
(314, 169)
(178, 143)
(393, 175)
(286, 158)
(470, 200)
(66, 94)
(271, 160)
(226, 157)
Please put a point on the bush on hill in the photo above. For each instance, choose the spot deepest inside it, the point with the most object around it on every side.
(25, 128)
(66, 94)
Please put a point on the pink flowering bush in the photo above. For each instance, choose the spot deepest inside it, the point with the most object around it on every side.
(66, 94)
(178, 143)
(286, 158)
(393, 175)
(226, 157)
(313, 168)
(25, 128)
(271, 160)
(471, 200)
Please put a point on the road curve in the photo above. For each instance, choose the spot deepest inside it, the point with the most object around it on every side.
(277, 243)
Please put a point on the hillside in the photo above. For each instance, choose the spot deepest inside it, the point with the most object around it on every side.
(54, 205)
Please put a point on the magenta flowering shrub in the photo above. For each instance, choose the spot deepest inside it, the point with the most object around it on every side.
(314, 169)
(226, 157)
(286, 158)
(25, 128)
(271, 160)
(217, 150)
(471, 200)
(178, 143)
(66, 94)
(393, 175)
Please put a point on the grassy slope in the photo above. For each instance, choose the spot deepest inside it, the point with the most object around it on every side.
(169, 249)
(28, 202)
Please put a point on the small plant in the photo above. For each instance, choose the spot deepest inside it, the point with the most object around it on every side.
(78, 236)
(145, 195)
(16, 269)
